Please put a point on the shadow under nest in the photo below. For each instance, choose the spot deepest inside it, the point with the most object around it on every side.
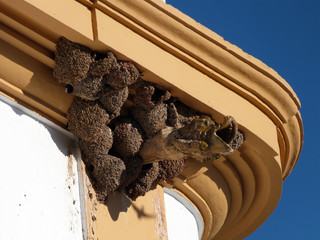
(113, 113)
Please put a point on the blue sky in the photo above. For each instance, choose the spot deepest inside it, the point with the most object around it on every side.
(285, 35)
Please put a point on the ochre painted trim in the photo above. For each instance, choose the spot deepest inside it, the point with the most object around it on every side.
(218, 40)
(17, 95)
(246, 186)
(192, 38)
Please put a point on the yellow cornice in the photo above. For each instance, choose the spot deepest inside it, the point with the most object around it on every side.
(195, 64)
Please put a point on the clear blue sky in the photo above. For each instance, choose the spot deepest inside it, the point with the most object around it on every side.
(285, 35)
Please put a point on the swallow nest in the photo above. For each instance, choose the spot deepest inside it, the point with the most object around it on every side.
(112, 114)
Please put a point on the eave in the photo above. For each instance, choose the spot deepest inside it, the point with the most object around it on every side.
(196, 65)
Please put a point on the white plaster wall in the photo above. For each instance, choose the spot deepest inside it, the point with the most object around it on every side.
(39, 186)
(183, 219)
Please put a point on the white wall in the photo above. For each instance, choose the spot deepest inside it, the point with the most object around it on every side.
(39, 186)
(183, 219)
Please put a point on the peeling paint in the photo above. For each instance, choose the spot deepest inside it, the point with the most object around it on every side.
(160, 225)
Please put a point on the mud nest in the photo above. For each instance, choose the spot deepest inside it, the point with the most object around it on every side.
(127, 140)
(169, 169)
(98, 146)
(144, 182)
(106, 173)
(86, 119)
(108, 142)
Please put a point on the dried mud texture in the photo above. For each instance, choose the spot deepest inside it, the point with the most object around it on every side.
(237, 141)
(169, 169)
(172, 116)
(81, 69)
(98, 147)
(104, 65)
(152, 121)
(86, 119)
(124, 75)
(127, 140)
(145, 181)
(148, 96)
(92, 85)
(150, 108)
(107, 174)
(180, 114)
(133, 170)
(101, 85)
(72, 61)
(89, 88)
(113, 99)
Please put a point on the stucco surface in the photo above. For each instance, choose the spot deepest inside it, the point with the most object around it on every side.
(39, 180)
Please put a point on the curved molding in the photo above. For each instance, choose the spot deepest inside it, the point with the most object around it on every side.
(201, 44)
(172, 31)
(191, 208)
(209, 74)
(244, 190)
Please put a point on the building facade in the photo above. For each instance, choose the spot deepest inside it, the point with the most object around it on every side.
(50, 194)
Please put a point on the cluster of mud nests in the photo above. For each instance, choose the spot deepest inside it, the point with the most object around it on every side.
(112, 114)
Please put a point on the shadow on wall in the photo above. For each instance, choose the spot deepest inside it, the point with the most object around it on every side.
(119, 202)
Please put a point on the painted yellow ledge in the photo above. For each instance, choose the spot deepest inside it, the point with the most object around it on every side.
(234, 195)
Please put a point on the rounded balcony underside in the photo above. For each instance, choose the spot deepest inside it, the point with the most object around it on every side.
(235, 195)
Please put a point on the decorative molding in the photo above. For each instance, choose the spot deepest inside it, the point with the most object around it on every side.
(208, 70)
